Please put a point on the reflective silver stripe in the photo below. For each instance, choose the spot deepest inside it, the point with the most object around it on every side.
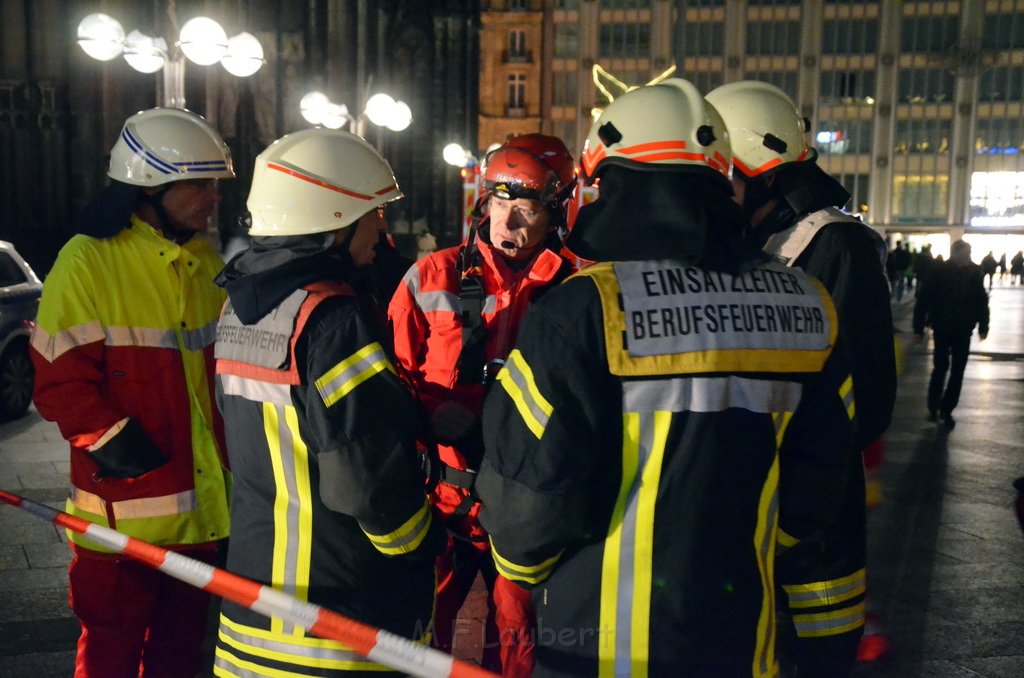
(255, 390)
(429, 302)
(532, 574)
(710, 394)
(627, 554)
(341, 379)
(53, 347)
(200, 338)
(148, 507)
(827, 592)
(88, 502)
(151, 337)
(407, 537)
(829, 623)
(440, 300)
(282, 646)
(527, 392)
(286, 460)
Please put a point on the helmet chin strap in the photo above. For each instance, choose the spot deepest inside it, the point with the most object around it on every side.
(756, 193)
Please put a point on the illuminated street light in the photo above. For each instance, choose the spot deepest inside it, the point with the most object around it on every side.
(201, 40)
(456, 155)
(381, 109)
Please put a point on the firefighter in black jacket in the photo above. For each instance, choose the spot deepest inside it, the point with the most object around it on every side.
(329, 503)
(669, 417)
(792, 209)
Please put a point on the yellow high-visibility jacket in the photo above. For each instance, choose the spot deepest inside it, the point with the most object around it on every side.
(125, 331)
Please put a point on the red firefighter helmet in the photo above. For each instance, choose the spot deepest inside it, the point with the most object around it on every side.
(534, 166)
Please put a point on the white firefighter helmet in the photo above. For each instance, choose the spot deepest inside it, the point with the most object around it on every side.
(317, 180)
(765, 128)
(161, 145)
(663, 127)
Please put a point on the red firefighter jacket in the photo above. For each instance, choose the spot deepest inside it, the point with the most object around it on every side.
(426, 318)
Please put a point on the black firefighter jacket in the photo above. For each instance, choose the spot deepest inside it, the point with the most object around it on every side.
(659, 431)
(825, 580)
(329, 503)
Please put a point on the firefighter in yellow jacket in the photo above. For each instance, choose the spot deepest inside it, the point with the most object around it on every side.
(330, 504)
(123, 351)
(641, 465)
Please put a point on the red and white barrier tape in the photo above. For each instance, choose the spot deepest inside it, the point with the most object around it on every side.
(379, 645)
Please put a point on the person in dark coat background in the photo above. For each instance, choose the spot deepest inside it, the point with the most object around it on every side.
(952, 302)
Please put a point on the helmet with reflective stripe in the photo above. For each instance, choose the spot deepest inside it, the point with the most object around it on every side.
(317, 180)
(663, 127)
(765, 128)
(534, 166)
(161, 145)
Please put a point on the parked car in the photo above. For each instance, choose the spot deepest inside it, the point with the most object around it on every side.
(20, 289)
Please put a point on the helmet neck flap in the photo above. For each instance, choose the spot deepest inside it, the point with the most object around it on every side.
(639, 215)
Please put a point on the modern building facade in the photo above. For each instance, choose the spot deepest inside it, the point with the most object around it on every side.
(917, 107)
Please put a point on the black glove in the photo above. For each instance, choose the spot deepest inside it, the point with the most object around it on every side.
(129, 454)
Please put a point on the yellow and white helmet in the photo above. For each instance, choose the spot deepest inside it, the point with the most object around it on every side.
(765, 128)
(317, 180)
(663, 127)
(161, 145)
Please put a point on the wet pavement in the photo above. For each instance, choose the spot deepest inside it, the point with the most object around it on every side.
(946, 555)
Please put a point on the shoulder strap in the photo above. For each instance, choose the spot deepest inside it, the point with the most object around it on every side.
(787, 246)
(470, 366)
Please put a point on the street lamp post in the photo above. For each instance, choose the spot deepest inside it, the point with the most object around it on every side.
(381, 109)
(201, 40)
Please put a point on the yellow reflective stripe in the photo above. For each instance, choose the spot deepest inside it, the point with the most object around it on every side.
(325, 654)
(613, 547)
(303, 539)
(517, 380)
(407, 537)
(643, 548)
(131, 509)
(822, 593)
(54, 346)
(786, 541)
(264, 634)
(531, 574)
(250, 669)
(280, 552)
(339, 381)
(764, 549)
(829, 623)
(846, 395)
